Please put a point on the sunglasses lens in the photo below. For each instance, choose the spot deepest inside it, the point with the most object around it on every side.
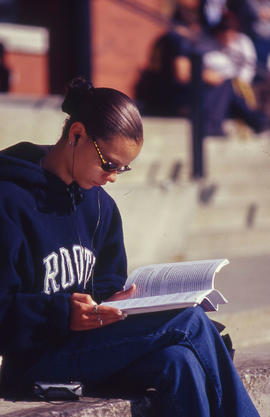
(109, 166)
(123, 169)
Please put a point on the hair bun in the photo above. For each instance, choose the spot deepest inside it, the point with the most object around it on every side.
(77, 92)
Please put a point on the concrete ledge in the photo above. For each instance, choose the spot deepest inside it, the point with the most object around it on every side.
(257, 383)
(86, 407)
(253, 369)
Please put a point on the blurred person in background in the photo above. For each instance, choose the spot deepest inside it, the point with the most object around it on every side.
(234, 55)
(229, 70)
(213, 11)
(4, 71)
(189, 14)
(165, 87)
(254, 17)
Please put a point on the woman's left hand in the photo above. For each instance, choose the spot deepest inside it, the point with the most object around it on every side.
(123, 295)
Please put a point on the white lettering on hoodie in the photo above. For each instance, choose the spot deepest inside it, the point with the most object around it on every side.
(64, 269)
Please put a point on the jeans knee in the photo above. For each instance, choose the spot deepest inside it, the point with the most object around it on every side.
(201, 317)
(179, 365)
(192, 316)
(199, 312)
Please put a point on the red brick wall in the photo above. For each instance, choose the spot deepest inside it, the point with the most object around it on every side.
(29, 73)
(121, 42)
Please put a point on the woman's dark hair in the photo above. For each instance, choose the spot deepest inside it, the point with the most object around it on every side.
(104, 112)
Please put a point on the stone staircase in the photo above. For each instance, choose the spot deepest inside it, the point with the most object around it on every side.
(234, 220)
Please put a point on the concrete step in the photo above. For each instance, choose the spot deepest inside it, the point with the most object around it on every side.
(238, 194)
(243, 327)
(208, 219)
(33, 119)
(155, 220)
(233, 150)
(227, 243)
(165, 152)
(85, 407)
(238, 162)
(245, 284)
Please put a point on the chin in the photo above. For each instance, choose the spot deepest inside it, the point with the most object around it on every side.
(89, 186)
(85, 186)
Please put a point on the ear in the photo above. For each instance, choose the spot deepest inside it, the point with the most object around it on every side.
(76, 130)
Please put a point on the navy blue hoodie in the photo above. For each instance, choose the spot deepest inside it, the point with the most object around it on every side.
(55, 240)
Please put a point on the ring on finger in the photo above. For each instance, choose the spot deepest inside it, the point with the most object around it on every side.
(100, 320)
(98, 315)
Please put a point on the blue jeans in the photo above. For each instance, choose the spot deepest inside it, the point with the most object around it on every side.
(179, 353)
(226, 103)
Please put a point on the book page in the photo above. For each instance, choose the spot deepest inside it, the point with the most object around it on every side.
(177, 277)
(159, 301)
(212, 300)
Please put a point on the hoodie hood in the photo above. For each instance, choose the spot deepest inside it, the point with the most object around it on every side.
(20, 164)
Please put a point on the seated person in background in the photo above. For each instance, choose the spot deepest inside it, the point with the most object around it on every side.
(228, 72)
(254, 16)
(234, 56)
(160, 89)
(165, 87)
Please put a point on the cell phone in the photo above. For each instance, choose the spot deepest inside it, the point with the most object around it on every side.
(57, 391)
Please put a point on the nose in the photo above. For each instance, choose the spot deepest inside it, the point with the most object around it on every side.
(112, 177)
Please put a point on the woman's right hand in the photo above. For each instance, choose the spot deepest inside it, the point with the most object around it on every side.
(84, 317)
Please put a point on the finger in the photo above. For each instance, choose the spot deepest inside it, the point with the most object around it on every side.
(80, 307)
(127, 293)
(122, 295)
(84, 298)
(130, 291)
(103, 315)
(105, 311)
(94, 323)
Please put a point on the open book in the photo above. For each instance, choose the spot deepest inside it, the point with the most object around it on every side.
(172, 286)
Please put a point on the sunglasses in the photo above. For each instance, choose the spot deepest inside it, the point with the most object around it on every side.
(107, 165)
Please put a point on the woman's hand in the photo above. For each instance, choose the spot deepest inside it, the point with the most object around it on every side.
(123, 295)
(84, 317)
